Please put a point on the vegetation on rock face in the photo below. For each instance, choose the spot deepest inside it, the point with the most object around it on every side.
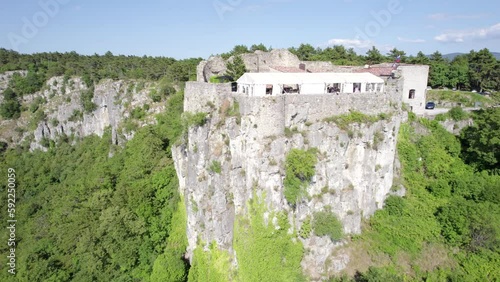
(266, 252)
(88, 216)
(10, 107)
(449, 206)
(215, 167)
(86, 100)
(464, 98)
(171, 264)
(325, 223)
(455, 113)
(299, 169)
(28, 84)
(196, 119)
(306, 228)
(343, 121)
(211, 265)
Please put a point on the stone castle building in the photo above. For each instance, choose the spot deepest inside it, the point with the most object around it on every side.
(280, 71)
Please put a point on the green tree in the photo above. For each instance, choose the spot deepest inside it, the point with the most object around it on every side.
(438, 74)
(373, 56)
(236, 68)
(472, 225)
(458, 75)
(240, 49)
(394, 53)
(305, 52)
(375, 274)
(10, 107)
(437, 57)
(259, 47)
(420, 59)
(483, 70)
(481, 141)
(31, 83)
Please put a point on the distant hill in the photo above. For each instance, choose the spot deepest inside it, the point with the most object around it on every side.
(451, 56)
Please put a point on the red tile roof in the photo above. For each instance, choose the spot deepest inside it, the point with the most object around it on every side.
(378, 71)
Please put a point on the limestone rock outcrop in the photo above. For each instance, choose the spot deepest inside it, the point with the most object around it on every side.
(353, 176)
(61, 113)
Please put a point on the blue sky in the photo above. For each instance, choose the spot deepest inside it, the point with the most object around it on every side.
(200, 28)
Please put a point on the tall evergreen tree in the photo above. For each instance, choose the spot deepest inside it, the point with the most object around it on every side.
(236, 68)
(483, 70)
(373, 56)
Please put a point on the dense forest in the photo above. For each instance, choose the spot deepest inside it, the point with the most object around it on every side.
(94, 211)
(95, 67)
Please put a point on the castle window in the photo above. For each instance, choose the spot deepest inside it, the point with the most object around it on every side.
(371, 87)
(290, 88)
(269, 89)
(333, 88)
(411, 95)
(356, 87)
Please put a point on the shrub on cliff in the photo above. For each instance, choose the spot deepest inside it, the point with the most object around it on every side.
(10, 107)
(325, 223)
(299, 168)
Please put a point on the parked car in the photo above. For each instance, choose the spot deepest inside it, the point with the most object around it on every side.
(430, 105)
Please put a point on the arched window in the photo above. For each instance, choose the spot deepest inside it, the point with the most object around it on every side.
(411, 95)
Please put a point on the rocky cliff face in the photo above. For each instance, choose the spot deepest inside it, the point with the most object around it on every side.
(6, 77)
(233, 156)
(61, 112)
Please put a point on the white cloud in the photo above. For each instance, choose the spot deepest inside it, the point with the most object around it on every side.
(444, 16)
(351, 43)
(254, 8)
(464, 35)
(438, 16)
(359, 46)
(418, 40)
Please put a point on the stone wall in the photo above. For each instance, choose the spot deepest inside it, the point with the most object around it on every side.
(275, 113)
(320, 66)
(415, 77)
(199, 95)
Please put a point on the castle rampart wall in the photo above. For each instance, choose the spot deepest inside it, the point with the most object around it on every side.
(275, 113)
